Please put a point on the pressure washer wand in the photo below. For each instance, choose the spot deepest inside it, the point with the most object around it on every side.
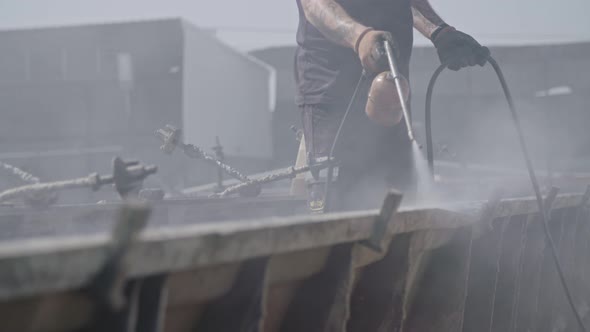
(397, 77)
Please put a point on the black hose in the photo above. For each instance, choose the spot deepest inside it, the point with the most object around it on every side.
(330, 174)
(428, 119)
(529, 164)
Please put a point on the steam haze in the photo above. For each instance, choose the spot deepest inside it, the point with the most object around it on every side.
(255, 24)
(168, 63)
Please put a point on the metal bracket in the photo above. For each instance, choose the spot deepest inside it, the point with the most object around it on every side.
(128, 176)
(487, 214)
(585, 197)
(151, 308)
(170, 137)
(109, 289)
(298, 133)
(549, 200)
(389, 208)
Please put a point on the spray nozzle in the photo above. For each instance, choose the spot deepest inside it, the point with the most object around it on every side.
(398, 84)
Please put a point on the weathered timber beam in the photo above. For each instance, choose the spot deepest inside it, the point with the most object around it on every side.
(43, 265)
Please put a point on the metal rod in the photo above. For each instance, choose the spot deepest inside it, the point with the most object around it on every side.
(221, 157)
(90, 181)
(398, 86)
(170, 136)
(195, 152)
(290, 173)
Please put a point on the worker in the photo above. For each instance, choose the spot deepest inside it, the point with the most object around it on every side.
(336, 40)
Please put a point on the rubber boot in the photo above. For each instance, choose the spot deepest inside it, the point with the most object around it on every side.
(316, 196)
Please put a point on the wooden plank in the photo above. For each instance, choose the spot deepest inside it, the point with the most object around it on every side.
(583, 266)
(521, 249)
(152, 304)
(241, 308)
(48, 313)
(284, 276)
(530, 276)
(483, 276)
(201, 285)
(439, 300)
(550, 284)
(563, 316)
(321, 303)
(377, 301)
(510, 259)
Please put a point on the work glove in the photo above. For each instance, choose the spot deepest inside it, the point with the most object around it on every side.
(369, 47)
(457, 50)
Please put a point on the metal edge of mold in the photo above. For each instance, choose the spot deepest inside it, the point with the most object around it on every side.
(194, 246)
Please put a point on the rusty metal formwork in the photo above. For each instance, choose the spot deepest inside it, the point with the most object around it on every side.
(473, 267)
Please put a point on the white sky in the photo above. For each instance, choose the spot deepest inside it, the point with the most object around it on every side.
(251, 24)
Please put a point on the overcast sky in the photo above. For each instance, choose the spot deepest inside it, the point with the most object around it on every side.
(251, 24)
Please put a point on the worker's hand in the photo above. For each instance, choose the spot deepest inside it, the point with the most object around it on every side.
(458, 50)
(371, 51)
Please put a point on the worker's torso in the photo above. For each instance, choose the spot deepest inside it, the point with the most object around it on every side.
(327, 72)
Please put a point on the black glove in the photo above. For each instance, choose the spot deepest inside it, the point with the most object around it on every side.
(458, 50)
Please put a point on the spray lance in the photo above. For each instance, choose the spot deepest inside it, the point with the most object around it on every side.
(402, 88)
(383, 107)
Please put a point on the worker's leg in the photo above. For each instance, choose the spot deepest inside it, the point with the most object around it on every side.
(320, 124)
(373, 159)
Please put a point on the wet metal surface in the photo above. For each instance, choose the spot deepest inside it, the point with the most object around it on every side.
(454, 269)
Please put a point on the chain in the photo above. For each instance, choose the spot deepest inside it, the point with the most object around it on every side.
(289, 173)
(195, 152)
(17, 172)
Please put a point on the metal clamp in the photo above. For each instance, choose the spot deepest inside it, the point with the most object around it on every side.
(170, 137)
(549, 200)
(585, 197)
(390, 205)
(487, 214)
(128, 176)
(109, 288)
(298, 133)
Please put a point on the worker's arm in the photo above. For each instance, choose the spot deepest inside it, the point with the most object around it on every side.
(333, 21)
(426, 20)
(455, 49)
(330, 18)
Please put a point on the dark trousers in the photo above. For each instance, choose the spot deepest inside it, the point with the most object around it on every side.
(372, 158)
